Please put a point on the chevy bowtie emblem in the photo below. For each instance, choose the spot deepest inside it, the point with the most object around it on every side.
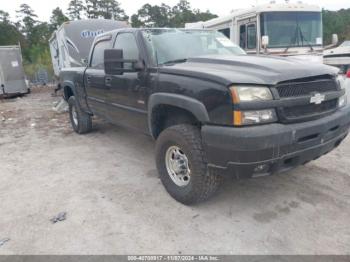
(317, 99)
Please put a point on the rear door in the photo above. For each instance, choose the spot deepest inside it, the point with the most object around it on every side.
(94, 78)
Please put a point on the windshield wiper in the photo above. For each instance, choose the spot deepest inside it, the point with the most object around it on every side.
(303, 39)
(176, 61)
(292, 42)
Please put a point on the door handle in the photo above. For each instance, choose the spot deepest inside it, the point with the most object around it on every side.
(108, 81)
(88, 79)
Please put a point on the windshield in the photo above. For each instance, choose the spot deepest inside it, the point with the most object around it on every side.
(173, 45)
(292, 29)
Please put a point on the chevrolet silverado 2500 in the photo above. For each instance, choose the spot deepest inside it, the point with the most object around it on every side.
(212, 109)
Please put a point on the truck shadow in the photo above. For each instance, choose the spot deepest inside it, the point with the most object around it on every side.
(266, 198)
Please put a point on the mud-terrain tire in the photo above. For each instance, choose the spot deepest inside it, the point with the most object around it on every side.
(185, 140)
(81, 121)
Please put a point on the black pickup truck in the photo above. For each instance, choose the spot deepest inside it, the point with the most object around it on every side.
(212, 109)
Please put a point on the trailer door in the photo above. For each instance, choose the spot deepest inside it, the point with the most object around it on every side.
(248, 35)
(2, 81)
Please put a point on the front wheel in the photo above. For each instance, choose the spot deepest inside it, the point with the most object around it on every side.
(81, 121)
(182, 166)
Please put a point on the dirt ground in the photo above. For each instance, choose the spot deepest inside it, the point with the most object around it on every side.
(107, 184)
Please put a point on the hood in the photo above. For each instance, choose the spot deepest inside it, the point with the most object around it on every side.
(246, 69)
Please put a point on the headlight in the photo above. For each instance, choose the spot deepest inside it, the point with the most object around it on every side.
(342, 101)
(341, 80)
(241, 118)
(250, 93)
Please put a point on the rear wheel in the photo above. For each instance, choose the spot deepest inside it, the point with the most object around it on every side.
(81, 121)
(182, 166)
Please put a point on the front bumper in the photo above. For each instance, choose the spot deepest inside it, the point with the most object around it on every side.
(262, 150)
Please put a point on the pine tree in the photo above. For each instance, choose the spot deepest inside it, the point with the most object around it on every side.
(93, 8)
(76, 9)
(110, 9)
(4, 17)
(57, 18)
(27, 19)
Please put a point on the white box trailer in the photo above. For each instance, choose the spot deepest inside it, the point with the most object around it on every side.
(12, 76)
(70, 44)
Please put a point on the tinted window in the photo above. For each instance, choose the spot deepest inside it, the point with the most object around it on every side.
(242, 36)
(98, 54)
(251, 36)
(226, 32)
(289, 29)
(127, 42)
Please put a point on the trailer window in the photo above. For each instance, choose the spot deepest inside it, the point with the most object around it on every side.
(242, 36)
(226, 32)
(127, 43)
(251, 36)
(98, 54)
(292, 29)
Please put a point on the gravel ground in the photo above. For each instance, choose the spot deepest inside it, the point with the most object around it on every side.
(107, 184)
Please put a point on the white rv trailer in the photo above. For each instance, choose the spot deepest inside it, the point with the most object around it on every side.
(70, 44)
(285, 29)
(12, 76)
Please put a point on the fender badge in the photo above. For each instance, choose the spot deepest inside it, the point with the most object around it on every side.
(317, 99)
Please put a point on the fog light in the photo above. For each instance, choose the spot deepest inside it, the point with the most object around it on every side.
(264, 168)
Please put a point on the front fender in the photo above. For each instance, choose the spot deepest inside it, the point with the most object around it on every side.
(69, 84)
(184, 102)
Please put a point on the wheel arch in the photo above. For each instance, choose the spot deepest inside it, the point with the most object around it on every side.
(68, 90)
(192, 108)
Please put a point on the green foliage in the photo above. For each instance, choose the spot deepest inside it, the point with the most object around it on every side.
(57, 18)
(166, 16)
(92, 8)
(76, 9)
(110, 9)
(336, 22)
(107, 9)
(152, 16)
(10, 34)
(27, 19)
(4, 17)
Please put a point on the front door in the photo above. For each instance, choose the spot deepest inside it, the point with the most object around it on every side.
(126, 97)
(94, 79)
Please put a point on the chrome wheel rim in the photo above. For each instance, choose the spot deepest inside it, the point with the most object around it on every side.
(177, 165)
(74, 116)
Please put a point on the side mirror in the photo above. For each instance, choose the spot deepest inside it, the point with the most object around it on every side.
(265, 41)
(114, 63)
(335, 39)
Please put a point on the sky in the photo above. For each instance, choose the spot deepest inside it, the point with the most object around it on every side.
(43, 8)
